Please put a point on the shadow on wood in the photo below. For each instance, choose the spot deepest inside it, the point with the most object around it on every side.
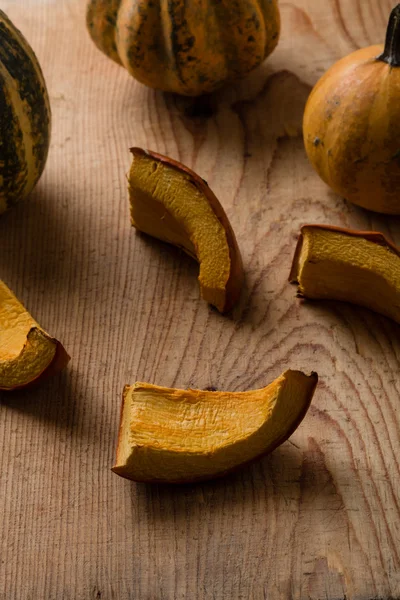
(259, 479)
(53, 401)
(170, 258)
(36, 231)
(65, 402)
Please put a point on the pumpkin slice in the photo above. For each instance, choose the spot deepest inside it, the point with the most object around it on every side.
(178, 436)
(172, 203)
(27, 353)
(360, 267)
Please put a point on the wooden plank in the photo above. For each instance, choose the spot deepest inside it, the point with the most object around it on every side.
(320, 517)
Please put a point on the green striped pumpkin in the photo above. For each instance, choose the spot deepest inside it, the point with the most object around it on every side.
(25, 118)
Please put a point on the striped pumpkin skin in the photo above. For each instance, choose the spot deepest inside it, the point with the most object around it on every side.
(190, 47)
(25, 117)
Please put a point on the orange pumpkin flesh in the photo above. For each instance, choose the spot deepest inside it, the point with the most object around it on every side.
(352, 125)
(172, 203)
(28, 355)
(189, 48)
(176, 436)
(360, 267)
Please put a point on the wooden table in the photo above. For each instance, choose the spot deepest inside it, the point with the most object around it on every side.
(320, 517)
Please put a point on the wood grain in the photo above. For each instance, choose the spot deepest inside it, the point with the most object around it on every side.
(320, 517)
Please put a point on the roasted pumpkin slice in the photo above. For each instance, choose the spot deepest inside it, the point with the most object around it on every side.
(172, 203)
(178, 436)
(361, 267)
(27, 353)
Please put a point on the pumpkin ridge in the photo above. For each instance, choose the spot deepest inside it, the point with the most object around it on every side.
(231, 49)
(11, 30)
(101, 20)
(263, 17)
(154, 31)
(25, 119)
(270, 14)
(12, 156)
(187, 47)
(179, 48)
(173, 36)
(366, 125)
(170, 37)
(21, 65)
(223, 31)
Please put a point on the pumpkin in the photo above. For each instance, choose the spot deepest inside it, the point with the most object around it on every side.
(360, 267)
(172, 203)
(28, 355)
(352, 125)
(190, 48)
(24, 116)
(168, 435)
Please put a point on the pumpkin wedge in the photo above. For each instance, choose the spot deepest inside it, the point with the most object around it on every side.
(173, 204)
(27, 353)
(361, 267)
(178, 436)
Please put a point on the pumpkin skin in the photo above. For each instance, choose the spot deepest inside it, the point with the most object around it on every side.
(352, 125)
(25, 118)
(187, 47)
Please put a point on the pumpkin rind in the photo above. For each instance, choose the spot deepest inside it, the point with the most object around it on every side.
(25, 117)
(101, 18)
(187, 48)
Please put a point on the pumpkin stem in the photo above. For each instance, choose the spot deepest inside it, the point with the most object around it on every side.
(391, 53)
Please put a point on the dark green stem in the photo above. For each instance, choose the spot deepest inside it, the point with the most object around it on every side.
(391, 53)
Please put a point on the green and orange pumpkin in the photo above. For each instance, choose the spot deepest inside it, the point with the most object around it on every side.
(25, 118)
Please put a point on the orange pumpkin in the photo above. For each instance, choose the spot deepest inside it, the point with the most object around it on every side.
(190, 48)
(352, 125)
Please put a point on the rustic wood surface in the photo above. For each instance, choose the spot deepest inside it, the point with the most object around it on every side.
(320, 517)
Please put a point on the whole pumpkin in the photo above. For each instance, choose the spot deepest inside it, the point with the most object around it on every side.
(352, 125)
(25, 118)
(188, 47)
